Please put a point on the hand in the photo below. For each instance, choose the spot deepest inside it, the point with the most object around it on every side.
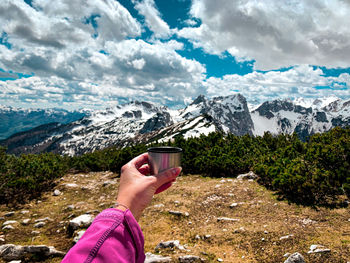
(136, 190)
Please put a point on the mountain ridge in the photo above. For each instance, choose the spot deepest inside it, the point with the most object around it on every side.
(143, 122)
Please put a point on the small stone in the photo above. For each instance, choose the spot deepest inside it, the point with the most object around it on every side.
(81, 221)
(71, 185)
(8, 214)
(25, 221)
(56, 192)
(176, 202)
(2, 218)
(152, 258)
(286, 255)
(43, 219)
(266, 232)
(34, 232)
(227, 219)
(2, 240)
(189, 259)
(247, 176)
(295, 258)
(8, 227)
(207, 236)
(178, 213)
(15, 261)
(23, 212)
(39, 224)
(106, 183)
(218, 186)
(223, 181)
(239, 230)
(318, 249)
(286, 237)
(78, 235)
(233, 205)
(9, 222)
(220, 260)
(158, 206)
(69, 208)
(169, 244)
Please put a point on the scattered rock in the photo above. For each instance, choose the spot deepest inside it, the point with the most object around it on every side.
(190, 259)
(233, 205)
(286, 255)
(307, 221)
(178, 213)
(2, 240)
(105, 183)
(78, 235)
(9, 222)
(227, 219)
(16, 252)
(295, 258)
(286, 237)
(2, 218)
(56, 192)
(23, 212)
(169, 244)
(8, 214)
(39, 224)
(34, 232)
(239, 230)
(152, 258)
(220, 260)
(69, 208)
(25, 221)
(318, 249)
(158, 206)
(71, 186)
(176, 202)
(250, 175)
(8, 227)
(43, 219)
(81, 221)
(15, 261)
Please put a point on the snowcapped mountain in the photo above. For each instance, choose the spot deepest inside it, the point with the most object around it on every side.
(303, 117)
(137, 122)
(15, 120)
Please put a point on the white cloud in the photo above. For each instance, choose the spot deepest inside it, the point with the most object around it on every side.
(274, 33)
(153, 19)
(300, 81)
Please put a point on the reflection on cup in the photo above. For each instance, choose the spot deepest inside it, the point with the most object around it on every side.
(163, 158)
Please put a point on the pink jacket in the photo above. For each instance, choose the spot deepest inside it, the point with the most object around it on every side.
(114, 236)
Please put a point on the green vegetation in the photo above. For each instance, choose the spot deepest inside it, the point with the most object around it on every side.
(316, 172)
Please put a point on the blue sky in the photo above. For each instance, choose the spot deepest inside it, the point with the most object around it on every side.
(97, 54)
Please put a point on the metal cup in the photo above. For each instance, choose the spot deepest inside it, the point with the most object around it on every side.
(163, 158)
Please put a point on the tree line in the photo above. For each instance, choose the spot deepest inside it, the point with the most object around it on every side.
(315, 172)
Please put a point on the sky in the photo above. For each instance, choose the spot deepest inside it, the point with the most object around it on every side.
(100, 53)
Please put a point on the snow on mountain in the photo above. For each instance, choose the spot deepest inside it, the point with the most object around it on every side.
(143, 122)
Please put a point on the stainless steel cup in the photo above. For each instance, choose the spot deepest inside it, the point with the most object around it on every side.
(163, 158)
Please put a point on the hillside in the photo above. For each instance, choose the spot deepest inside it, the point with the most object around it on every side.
(265, 231)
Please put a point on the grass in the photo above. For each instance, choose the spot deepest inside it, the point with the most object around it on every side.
(254, 238)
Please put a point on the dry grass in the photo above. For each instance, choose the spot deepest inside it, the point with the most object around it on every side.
(254, 238)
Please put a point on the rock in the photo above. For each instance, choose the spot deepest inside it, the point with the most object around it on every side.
(2, 218)
(152, 258)
(178, 213)
(2, 240)
(23, 212)
(39, 224)
(34, 232)
(56, 192)
(220, 260)
(71, 186)
(8, 214)
(295, 258)
(286, 255)
(15, 261)
(9, 222)
(250, 175)
(43, 219)
(16, 252)
(158, 206)
(8, 227)
(318, 249)
(78, 235)
(25, 221)
(176, 202)
(69, 208)
(286, 237)
(233, 205)
(106, 183)
(169, 244)
(227, 219)
(239, 230)
(81, 221)
(190, 259)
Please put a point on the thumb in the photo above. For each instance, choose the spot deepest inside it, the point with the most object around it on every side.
(167, 176)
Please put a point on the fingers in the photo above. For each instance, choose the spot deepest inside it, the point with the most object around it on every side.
(144, 169)
(140, 160)
(163, 187)
(167, 176)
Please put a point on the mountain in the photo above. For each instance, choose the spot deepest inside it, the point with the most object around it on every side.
(144, 122)
(14, 120)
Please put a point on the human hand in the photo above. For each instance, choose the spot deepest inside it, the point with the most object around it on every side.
(136, 190)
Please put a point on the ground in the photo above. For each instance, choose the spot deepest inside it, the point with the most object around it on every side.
(254, 237)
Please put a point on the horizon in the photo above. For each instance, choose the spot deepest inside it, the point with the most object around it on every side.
(101, 54)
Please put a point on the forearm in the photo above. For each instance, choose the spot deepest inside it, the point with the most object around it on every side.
(114, 236)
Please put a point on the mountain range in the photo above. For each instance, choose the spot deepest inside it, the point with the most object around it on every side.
(137, 122)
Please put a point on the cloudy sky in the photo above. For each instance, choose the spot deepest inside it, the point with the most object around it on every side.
(98, 53)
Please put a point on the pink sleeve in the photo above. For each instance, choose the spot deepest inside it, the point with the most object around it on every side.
(114, 236)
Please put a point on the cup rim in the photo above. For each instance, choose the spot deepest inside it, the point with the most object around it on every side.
(164, 149)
